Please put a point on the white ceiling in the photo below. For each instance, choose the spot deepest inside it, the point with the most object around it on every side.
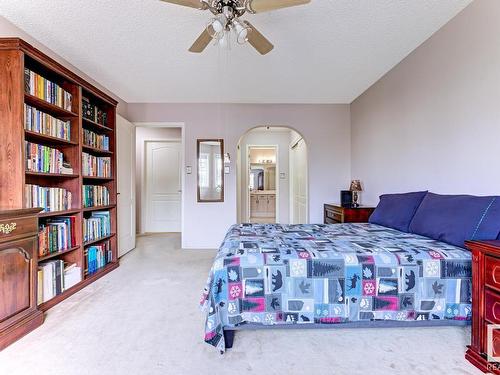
(327, 52)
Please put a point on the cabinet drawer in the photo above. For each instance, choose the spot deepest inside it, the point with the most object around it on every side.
(20, 227)
(494, 342)
(492, 306)
(331, 221)
(492, 272)
(334, 215)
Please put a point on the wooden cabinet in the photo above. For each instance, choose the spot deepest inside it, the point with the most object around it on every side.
(336, 214)
(485, 304)
(262, 205)
(18, 266)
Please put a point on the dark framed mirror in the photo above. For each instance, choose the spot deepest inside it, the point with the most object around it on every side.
(210, 155)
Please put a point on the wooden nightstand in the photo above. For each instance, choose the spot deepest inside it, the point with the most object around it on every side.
(336, 214)
(485, 303)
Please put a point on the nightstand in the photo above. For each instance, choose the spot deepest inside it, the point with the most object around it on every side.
(485, 304)
(336, 214)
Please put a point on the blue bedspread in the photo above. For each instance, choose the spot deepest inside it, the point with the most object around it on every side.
(328, 274)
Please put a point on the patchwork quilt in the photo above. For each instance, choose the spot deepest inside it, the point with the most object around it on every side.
(270, 274)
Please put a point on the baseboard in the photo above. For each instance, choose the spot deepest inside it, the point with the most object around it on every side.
(21, 328)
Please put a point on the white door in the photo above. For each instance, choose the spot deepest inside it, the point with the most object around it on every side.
(298, 165)
(125, 139)
(163, 186)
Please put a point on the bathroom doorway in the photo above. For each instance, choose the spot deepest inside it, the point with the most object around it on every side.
(262, 165)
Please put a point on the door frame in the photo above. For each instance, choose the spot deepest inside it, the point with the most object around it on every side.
(292, 167)
(247, 169)
(180, 125)
(121, 119)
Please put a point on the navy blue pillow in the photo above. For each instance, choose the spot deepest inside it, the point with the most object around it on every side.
(397, 210)
(456, 218)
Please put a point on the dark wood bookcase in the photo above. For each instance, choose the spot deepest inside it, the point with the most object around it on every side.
(15, 56)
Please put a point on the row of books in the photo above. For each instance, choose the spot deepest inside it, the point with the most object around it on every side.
(56, 235)
(98, 225)
(98, 256)
(49, 198)
(95, 166)
(95, 195)
(43, 123)
(42, 88)
(92, 139)
(93, 113)
(40, 158)
(54, 277)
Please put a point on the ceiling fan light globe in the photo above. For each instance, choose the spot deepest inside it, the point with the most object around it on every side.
(217, 25)
(241, 32)
(242, 36)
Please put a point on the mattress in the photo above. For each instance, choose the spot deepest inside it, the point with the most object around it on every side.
(274, 275)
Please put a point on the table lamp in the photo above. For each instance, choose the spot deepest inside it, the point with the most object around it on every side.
(356, 189)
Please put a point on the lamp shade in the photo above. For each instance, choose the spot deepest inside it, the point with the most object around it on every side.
(356, 186)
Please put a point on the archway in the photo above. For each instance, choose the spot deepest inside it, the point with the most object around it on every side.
(272, 176)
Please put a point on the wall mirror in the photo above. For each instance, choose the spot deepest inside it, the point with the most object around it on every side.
(210, 170)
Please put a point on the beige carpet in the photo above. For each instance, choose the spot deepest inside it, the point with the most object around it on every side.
(143, 319)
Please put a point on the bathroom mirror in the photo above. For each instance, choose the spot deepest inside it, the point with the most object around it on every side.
(210, 170)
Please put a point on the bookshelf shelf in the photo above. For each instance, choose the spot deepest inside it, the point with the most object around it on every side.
(49, 108)
(102, 239)
(59, 213)
(39, 137)
(53, 255)
(22, 63)
(96, 151)
(92, 125)
(57, 175)
(89, 279)
(99, 208)
(108, 267)
(98, 178)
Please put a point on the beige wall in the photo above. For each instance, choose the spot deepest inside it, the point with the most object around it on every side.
(326, 129)
(433, 122)
(8, 29)
(142, 135)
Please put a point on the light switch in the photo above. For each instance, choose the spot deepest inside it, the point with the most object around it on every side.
(282, 175)
(189, 170)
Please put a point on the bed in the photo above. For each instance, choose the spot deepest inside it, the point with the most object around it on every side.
(316, 276)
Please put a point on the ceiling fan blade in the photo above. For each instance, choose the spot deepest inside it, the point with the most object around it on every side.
(259, 6)
(198, 4)
(258, 41)
(203, 40)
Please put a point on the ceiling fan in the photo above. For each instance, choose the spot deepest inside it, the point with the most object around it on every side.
(227, 19)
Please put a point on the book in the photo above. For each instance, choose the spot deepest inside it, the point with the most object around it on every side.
(98, 256)
(56, 235)
(50, 199)
(95, 140)
(98, 225)
(43, 123)
(39, 285)
(93, 166)
(95, 195)
(72, 275)
(42, 88)
(44, 159)
(54, 277)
